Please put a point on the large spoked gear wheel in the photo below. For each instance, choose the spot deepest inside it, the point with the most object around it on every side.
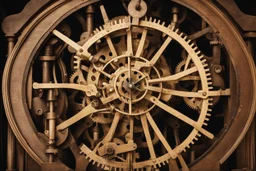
(141, 94)
(133, 88)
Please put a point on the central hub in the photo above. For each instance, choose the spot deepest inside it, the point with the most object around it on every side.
(130, 85)
(124, 83)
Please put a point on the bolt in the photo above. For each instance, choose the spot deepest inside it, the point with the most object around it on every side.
(110, 150)
(81, 50)
(39, 111)
(98, 94)
(218, 69)
(46, 132)
(95, 103)
(204, 94)
(111, 90)
(88, 93)
(154, 160)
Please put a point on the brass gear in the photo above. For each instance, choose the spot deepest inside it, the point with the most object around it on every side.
(198, 61)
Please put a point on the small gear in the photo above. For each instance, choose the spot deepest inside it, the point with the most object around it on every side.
(74, 77)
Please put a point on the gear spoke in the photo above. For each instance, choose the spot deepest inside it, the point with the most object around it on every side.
(180, 116)
(142, 43)
(176, 76)
(79, 49)
(112, 129)
(160, 51)
(67, 40)
(176, 92)
(111, 46)
(129, 43)
(160, 136)
(89, 109)
(144, 123)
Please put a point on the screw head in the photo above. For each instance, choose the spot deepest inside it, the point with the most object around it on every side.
(110, 150)
(81, 50)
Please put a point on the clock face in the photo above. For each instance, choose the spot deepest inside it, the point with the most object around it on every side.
(129, 85)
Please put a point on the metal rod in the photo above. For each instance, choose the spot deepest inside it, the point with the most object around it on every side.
(90, 14)
(10, 136)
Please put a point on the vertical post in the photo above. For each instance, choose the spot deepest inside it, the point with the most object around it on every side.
(89, 19)
(10, 135)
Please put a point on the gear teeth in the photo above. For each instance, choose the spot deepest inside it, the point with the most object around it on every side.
(180, 64)
(98, 164)
(211, 99)
(204, 61)
(159, 165)
(185, 38)
(176, 31)
(101, 28)
(163, 24)
(209, 78)
(209, 110)
(199, 135)
(150, 19)
(94, 162)
(195, 49)
(154, 21)
(208, 114)
(188, 41)
(196, 138)
(208, 74)
(192, 142)
(201, 57)
(192, 45)
(77, 61)
(164, 163)
(146, 18)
